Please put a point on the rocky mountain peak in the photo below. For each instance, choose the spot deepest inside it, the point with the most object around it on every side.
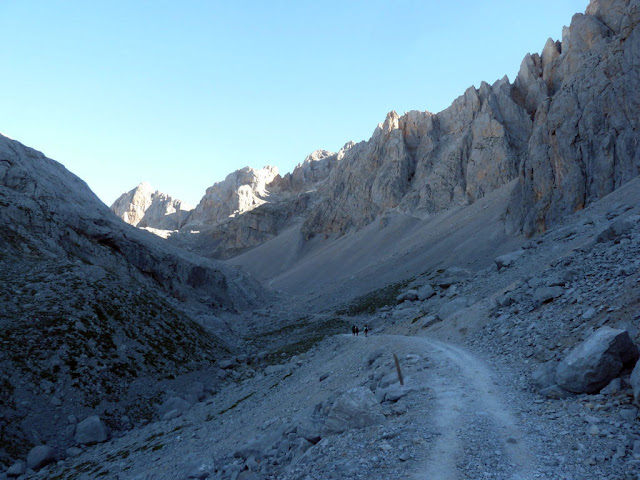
(241, 191)
(145, 207)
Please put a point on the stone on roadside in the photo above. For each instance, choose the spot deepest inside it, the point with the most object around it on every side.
(508, 259)
(453, 275)
(173, 403)
(614, 387)
(449, 308)
(408, 296)
(544, 295)
(392, 393)
(635, 381)
(357, 408)
(555, 392)
(73, 451)
(373, 356)
(425, 292)
(545, 375)
(429, 321)
(91, 430)
(310, 429)
(200, 470)
(595, 362)
(40, 456)
(616, 229)
(17, 469)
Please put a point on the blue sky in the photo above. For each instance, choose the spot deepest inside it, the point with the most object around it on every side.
(179, 94)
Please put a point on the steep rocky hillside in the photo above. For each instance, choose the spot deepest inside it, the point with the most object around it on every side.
(94, 312)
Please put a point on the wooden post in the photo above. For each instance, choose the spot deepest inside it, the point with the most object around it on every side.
(395, 357)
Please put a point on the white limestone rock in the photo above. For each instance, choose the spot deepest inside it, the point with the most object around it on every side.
(241, 191)
(144, 207)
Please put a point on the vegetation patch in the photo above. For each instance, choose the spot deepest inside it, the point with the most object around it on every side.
(221, 412)
(373, 301)
(309, 337)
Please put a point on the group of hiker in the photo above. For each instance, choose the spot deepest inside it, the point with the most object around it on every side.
(355, 331)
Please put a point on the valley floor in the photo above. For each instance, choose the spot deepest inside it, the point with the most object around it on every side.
(456, 418)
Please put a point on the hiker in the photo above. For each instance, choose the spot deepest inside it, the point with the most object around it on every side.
(366, 330)
(357, 331)
(353, 330)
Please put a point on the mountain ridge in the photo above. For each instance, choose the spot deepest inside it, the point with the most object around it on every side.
(422, 164)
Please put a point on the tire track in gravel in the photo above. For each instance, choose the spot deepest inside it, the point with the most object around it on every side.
(464, 392)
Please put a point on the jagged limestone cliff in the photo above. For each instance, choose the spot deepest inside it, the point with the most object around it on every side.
(566, 129)
(145, 207)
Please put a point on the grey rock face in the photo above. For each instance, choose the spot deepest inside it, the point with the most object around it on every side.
(251, 206)
(144, 207)
(91, 430)
(595, 362)
(421, 162)
(242, 191)
(312, 171)
(583, 144)
(40, 456)
(357, 408)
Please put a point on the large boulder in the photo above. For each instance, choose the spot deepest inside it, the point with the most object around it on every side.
(91, 430)
(595, 362)
(40, 456)
(357, 408)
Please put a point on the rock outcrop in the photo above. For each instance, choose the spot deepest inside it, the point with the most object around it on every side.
(144, 207)
(583, 96)
(567, 128)
(423, 163)
(252, 206)
(242, 191)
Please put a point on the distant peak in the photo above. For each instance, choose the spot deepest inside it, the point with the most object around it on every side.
(144, 187)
